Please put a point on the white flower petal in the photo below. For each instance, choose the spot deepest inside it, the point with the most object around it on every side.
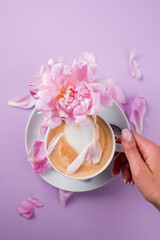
(53, 143)
(27, 101)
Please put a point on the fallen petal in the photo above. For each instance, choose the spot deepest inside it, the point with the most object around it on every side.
(134, 66)
(25, 102)
(138, 111)
(77, 162)
(53, 143)
(64, 196)
(37, 157)
(41, 166)
(35, 202)
(36, 152)
(26, 208)
(94, 151)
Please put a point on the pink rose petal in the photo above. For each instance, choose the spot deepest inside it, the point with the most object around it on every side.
(43, 128)
(27, 101)
(37, 157)
(26, 208)
(64, 196)
(53, 143)
(139, 108)
(134, 66)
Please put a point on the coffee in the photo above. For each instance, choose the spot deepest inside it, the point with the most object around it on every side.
(68, 148)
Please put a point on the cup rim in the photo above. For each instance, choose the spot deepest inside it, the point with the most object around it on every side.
(93, 175)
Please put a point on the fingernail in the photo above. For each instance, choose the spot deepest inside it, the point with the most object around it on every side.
(126, 136)
(124, 180)
(131, 183)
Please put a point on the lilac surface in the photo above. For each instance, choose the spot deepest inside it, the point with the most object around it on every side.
(30, 33)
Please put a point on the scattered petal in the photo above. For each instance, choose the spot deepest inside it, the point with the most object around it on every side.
(25, 102)
(26, 208)
(134, 66)
(43, 128)
(94, 151)
(139, 108)
(64, 196)
(53, 143)
(37, 157)
(77, 162)
(36, 202)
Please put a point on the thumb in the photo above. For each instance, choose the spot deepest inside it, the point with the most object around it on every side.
(137, 165)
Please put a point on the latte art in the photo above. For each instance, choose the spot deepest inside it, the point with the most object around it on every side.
(73, 141)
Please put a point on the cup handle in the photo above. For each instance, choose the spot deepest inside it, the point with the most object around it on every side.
(119, 147)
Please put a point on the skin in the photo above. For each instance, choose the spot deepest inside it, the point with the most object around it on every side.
(140, 164)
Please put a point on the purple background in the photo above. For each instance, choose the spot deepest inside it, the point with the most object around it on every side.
(31, 32)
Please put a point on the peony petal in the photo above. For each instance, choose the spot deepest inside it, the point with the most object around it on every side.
(134, 66)
(53, 143)
(82, 108)
(27, 101)
(64, 196)
(43, 128)
(77, 162)
(106, 100)
(35, 202)
(115, 92)
(26, 208)
(36, 152)
(54, 122)
(41, 166)
(33, 89)
(94, 151)
(139, 108)
(95, 106)
(37, 157)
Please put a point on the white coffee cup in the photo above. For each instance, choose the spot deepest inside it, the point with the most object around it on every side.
(115, 148)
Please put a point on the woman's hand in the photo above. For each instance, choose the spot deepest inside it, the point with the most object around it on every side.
(140, 165)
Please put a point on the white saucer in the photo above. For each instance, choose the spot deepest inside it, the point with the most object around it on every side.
(112, 115)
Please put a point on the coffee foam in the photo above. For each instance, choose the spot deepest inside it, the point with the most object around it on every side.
(79, 136)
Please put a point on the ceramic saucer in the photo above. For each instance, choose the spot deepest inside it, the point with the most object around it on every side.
(113, 115)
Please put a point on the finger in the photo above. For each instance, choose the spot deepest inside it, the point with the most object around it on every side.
(147, 149)
(118, 163)
(118, 140)
(126, 173)
(137, 165)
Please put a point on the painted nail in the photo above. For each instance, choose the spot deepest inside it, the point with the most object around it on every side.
(131, 183)
(126, 136)
(124, 180)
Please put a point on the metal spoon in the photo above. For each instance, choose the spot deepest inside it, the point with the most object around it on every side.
(116, 130)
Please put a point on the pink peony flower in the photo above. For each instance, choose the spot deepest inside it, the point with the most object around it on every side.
(69, 92)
